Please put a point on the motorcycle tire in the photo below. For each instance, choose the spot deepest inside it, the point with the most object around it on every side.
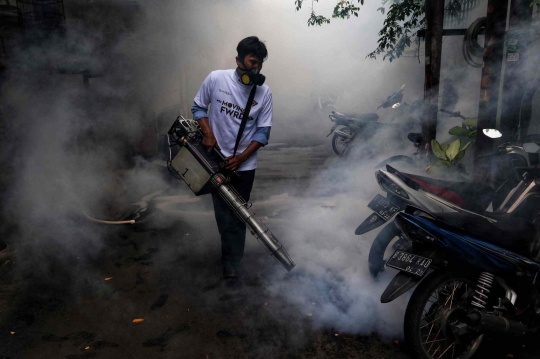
(340, 144)
(429, 301)
(378, 248)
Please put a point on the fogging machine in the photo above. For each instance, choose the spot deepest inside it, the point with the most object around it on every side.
(205, 171)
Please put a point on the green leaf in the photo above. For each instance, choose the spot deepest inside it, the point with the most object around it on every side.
(466, 146)
(471, 122)
(453, 149)
(459, 131)
(437, 150)
(459, 155)
(472, 134)
(445, 147)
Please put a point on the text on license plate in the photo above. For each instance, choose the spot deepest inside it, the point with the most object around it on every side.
(383, 207)
(410, 263)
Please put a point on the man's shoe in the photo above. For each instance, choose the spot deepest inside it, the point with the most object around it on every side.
(5, 256)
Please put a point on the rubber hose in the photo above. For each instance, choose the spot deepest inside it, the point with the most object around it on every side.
(130, 221)
(471, 49)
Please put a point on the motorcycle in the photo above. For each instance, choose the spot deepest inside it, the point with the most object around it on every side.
(476, 273)
(367, 124)
(437, 196)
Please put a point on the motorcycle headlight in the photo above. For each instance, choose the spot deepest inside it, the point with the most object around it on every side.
(396, 105)
(388, 186)
(332, 118)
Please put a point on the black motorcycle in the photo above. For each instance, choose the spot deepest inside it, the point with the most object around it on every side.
(474, 274)
(404, 189)
(366, 125)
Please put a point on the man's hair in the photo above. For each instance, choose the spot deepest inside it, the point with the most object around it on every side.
(252, 46)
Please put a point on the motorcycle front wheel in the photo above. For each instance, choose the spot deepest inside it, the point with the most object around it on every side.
(340, 143)
(435, 303)
(377, 258)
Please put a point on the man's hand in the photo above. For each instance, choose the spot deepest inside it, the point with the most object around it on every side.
(233, 162)
(209, 142)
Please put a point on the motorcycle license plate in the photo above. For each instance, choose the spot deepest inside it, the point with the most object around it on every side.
(383, 207)
(410, 263)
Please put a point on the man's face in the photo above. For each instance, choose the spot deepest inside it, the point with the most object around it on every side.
(250, 62)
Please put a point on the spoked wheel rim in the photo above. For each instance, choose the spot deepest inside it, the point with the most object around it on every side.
(437, 340)
(341, 143)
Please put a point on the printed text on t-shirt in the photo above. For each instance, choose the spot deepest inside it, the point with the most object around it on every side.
(232, 109)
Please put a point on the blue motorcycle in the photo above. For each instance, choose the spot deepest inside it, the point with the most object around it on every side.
(476, 274)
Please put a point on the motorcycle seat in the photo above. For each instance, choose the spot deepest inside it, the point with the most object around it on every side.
(473, 196)
(362, 116)
(514, 234)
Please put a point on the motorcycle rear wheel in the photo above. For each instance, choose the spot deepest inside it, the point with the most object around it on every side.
(340, 144)
(435, 296)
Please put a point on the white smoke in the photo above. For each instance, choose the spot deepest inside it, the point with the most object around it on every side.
(73, 148)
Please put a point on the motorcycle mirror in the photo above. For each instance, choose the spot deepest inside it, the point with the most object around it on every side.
(531, 147)
(492, 133)
(396, 105)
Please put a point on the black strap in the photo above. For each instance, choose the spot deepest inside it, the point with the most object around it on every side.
(245, 118)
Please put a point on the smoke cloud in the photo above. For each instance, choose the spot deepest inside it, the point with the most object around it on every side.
(73, 150)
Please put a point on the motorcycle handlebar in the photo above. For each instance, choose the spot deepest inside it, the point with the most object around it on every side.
(453, 114)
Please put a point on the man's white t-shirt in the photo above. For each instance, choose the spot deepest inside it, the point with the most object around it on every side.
(226, 96)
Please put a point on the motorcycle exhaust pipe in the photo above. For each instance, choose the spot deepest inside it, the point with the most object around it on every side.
(494, 323)
(343, 134)
(255, 226)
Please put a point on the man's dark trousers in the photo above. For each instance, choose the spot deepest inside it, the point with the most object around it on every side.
(231, 228)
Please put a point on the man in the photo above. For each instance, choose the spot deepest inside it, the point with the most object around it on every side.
(218, 108)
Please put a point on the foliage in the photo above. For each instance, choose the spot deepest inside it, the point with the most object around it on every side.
(468, 129)
(317, 20)
(449, 156)
(343, 10)
(403, 19)
(453, 8)
(462, 132)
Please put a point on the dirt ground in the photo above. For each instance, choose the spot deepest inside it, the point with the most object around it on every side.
(162, 271)
(188, 312)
